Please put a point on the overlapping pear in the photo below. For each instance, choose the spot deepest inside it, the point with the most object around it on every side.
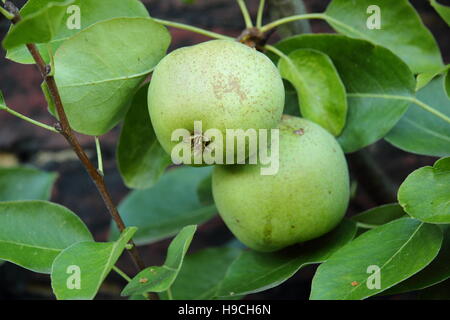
(224, 84)
(305, 199)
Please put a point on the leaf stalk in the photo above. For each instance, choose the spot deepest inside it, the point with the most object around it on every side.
(201, 31)
(245, 14)
(259, 17)
(23, 117)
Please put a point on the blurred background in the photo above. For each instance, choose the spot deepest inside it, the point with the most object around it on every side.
(379, 168)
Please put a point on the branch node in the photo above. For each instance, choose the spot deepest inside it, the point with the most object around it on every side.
(48, 70)
(11, 8)
(58, 127)
(252, 37)
(100, 172)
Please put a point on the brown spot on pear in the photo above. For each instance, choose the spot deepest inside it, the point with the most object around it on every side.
(222, 83)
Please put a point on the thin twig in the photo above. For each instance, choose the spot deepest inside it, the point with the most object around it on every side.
(279, 53)
(245, 14)
(278, 9)
(193, 29)
(23, 117)
(99, 156)
(66, 131)
(121, 273)
(6, 13)
(259, 17)
(282, 21)
(323, 16)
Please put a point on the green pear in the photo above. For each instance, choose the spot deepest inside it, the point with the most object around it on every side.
(222, 83)
(305, 199)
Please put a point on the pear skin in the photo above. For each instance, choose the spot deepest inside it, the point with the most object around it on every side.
(305, 199)
(222, 83)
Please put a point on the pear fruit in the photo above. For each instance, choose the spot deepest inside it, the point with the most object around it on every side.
(222, 83)
(305, 199)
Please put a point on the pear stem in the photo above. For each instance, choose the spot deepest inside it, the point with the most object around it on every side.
(193, 29)
(260, 13)
(279, 22)
(245, 14)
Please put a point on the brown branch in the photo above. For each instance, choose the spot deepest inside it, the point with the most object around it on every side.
(66, 131)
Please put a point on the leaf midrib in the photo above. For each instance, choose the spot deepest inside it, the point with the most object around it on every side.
(282, 266)
(388, 261)
(123, 78)
(108, 263)
(433, 133)
(31, 246)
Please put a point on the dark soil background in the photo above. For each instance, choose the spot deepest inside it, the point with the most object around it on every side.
(22, 143)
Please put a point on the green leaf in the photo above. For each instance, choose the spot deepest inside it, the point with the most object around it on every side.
(425, 194)
(410, 39)
(285, 8)
(438, 292)
(437, 271)
(39, 23)
(379, 215)
(140, 157)
(91, 11)
(33, 233)
(421, 132)
(374, 79)
(254, 271)
(204, 191)
(99, 70)
(202, 273)
(159, 279)
(399, 249)
(424, 78)
(137, 297)
(447, 84)
(91, 261)
(291, 102)
(164, 209)
(48, 98)
(320, 90)
(2, 100)
(444, 11)
(24, 183)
